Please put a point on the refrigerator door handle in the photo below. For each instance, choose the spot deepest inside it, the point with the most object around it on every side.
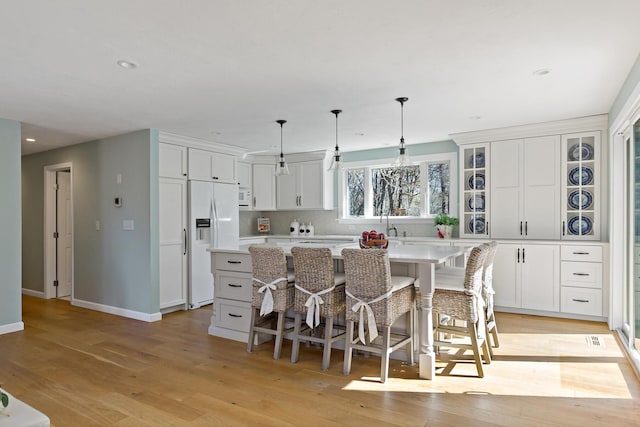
(215, 222)
(184, 230)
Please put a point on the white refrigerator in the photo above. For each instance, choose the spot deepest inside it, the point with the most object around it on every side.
(213, 222)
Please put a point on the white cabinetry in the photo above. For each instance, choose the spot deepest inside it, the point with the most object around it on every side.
(525, 188)
(212, 166)
(309, 186)
(244, 175)
(580, 189)
(582, 280)
(232, 296)
(172, 197)
(527, 276)
(172, 162)
(264, 187)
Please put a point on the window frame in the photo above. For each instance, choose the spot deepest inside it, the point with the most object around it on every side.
(422, 161)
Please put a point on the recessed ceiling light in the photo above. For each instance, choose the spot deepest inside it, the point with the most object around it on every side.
(359, 133)
(475, 117)
(127, 64)
(30, 140)
(541, 72)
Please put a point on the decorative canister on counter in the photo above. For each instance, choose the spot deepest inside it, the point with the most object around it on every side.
(294, 228)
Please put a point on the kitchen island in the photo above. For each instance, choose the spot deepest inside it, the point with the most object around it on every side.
(232, 295)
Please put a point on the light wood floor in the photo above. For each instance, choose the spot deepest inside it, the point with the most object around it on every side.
(85, 368)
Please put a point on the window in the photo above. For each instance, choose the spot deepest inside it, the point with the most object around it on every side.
(373, 189)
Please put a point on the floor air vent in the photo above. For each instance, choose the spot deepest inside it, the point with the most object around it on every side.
(594, 341)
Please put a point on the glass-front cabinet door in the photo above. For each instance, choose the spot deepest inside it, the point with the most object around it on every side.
(474, 199)
(580, 178)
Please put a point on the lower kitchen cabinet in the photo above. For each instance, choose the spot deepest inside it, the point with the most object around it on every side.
(527, 276)
(231, 296)
(582, 280)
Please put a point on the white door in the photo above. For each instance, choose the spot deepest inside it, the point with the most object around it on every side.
(226, 230)
(173, 242)
(541, 164)
(288, 196)
(200, 165)
(541, 277)
(506, 189)
(244, 174)
(65, 236)
(201, 228)
(223, 168)
(311, 182)
(172, 161)
(506, 275)
(264, 187)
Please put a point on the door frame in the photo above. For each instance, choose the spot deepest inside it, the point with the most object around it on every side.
(50, 226)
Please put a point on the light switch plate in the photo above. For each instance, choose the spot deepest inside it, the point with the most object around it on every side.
(127, 224)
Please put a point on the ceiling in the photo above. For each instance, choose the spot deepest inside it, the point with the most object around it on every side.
(224, 71)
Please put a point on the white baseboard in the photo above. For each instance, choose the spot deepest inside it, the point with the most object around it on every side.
(137, 315)
(11, 327)
(32, 293)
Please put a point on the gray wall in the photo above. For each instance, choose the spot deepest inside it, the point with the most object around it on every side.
(10, 219)
(112, 266)
(627, 88)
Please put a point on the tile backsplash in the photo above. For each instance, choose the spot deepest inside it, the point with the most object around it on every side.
(324, 222)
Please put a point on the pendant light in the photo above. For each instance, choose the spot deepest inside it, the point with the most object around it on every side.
(402, 160)
(336, 162)
(281, 167)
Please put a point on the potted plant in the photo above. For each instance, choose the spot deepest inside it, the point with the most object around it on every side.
(4, 399)
(444, 225)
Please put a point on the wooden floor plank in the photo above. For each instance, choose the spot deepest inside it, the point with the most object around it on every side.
(85, 368)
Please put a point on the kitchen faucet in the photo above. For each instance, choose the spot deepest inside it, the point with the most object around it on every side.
(389, 228)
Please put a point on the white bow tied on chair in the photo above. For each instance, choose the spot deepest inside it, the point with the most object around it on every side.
(363, 307)
(267, 301)
(313, 305)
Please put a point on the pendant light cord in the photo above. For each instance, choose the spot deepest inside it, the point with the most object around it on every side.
(281, 123)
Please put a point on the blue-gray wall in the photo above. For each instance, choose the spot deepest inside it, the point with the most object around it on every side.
(627, 88)
(10, 219)
(112, 266)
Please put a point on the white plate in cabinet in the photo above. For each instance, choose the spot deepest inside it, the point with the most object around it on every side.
(584, 301)
(581, 253)
(233, 285)
(582, 274)
(231, 314)
(233, 262)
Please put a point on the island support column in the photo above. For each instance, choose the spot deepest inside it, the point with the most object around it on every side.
(427, 358)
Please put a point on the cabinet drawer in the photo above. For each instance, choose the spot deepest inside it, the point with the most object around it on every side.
(581, 301)
(581, 253)
(233, 285)
(582, 274)
(231, 314)
(233, 262)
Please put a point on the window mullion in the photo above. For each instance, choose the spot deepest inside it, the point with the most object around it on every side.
(368, 194)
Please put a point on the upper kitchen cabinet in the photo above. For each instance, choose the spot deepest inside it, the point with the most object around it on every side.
(474, 199)
(580, 186)
(212, 166)
(264, 187)
(172, 162)
(543, 181)
(525, 188)
(244, 175)
(309, 186)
